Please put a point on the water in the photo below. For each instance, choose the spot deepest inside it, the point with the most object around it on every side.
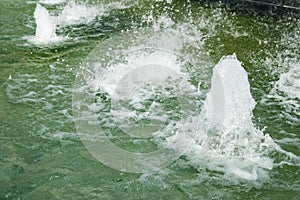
(52, 2)
(224, 125)
(45, 32)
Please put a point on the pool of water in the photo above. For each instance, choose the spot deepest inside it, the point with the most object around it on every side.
(59, 54)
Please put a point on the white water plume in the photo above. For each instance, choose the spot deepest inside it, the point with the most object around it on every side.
(229, 98)
(45, 32)
(226, 140)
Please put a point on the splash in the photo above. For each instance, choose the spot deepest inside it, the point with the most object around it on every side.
(81, 13)
(74, 13)
(286, 94)
(227, 140)
(225, 102)
(45, 28)
(287, 88)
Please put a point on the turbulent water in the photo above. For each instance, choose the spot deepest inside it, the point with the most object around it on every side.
(148, 99)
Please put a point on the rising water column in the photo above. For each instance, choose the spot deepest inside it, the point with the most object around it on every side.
(45, 28)
(230, 102)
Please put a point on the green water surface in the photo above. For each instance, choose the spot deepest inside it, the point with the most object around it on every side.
(42, 158)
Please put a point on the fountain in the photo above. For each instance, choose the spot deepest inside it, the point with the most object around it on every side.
(229, 141)
(45, 28)
(225, 102)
